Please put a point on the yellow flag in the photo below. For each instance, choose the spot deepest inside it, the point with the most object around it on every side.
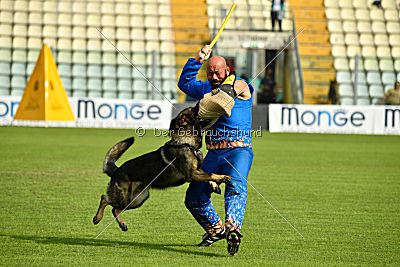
(44, 97)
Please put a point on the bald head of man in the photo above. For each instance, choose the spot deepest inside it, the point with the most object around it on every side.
(217, 71)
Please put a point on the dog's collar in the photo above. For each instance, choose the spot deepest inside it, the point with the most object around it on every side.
(164, 158)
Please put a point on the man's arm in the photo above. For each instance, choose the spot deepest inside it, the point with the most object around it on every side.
(187, 81)
(242, 89)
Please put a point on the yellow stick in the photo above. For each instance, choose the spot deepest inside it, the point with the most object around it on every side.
(223, 26)
(220, 29)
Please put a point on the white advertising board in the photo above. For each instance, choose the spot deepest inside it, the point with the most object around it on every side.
(100, 113)
(334, 119)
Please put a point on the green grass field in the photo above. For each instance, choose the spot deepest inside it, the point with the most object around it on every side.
(342, 192)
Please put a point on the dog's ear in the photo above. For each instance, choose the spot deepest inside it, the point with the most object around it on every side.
(172, 126)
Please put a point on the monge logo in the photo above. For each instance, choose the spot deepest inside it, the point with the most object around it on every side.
(338, 118)
(89, 109)
(390, 117)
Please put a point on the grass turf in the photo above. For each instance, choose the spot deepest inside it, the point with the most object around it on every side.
(342, 192)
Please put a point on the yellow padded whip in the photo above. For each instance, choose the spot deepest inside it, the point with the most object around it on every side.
(220, 29)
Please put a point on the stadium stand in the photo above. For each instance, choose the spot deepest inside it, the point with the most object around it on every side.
(88, 63)
(357, 27)
(315, 48)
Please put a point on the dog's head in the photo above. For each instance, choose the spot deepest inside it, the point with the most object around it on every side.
(186, 128)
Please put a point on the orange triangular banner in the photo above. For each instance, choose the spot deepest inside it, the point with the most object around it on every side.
(44, 97)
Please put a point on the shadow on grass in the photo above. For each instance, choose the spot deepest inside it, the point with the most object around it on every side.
(186, 249)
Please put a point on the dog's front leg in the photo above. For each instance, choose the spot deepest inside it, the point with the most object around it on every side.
(202, 176)
(215, 187)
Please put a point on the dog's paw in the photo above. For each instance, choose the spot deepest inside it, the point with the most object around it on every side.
(215, 187)
(124, 228)
(225, 178)
(95, 220)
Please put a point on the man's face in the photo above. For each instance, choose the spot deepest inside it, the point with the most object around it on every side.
(216, 74)
(397, 85)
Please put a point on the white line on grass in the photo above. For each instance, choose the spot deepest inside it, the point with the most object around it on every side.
(136, 197)
(266, 200)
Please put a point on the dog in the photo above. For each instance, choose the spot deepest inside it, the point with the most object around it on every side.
(178, 161)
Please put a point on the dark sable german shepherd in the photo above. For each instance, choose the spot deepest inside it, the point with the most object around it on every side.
(173, 164)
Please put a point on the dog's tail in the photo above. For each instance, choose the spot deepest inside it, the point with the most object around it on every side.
(113, 155)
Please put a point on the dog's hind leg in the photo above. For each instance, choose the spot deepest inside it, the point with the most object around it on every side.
(100, 211)
(117, 214)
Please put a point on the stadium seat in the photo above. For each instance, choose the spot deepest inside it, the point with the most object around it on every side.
(5, 41)
(66, 81)
(137, 34)
(122, 34)
(79, 84)
(79, 57)
(338, 50)
(18, 68)
(393, 27)
(383, 51)
(391, 15)
(49, 19)
(362, 90)
(376, 91)
(29, 69)
(64, 43)
(19, 42)
(94, 84)
(78, 93)
(345, 90)
(79, 20)
(394, 40)
(79, 7)
(371, 64)
(109, 71)
(373, 77)
(381, 39)
(353, 50)
(349, 27)
(347, 14)
(345, 4)
(18, 82)
(17, 91)
(5, 54)
(109, 58)
(5, 81)
(139, 85)
(388, 87)
(352, 64)
(124, 71)
(364, 27)
(368, 51)
(337, 39)
(64, 69)
(140, 95)
(5, 68)
(124, 85)
(20, 17)
(343, 77)
(376, 15)
(93, 20)
(79, 70)
(138, 46)
(93, 45)
(397, 66)
(6, 17)
(63, 6)
(363, 101)
(360, 77)
(139, 59)
(94, 71)
(107, 8)
(168, 73)
(332, 13)
(351, 39)
(366, 39)
(122, 8)
(341, 63)
(108, 20)
(79, 32)
(362, 14)
(346, 101)
(19, 30)
(109, 94)
(94, 57)
(94, 94)
(64, 56)
(19, 55)
(378, 27)
(109, 84)
(151, 22)
(64, 19)
(331, 3)
(124, 95)
(386, 65)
